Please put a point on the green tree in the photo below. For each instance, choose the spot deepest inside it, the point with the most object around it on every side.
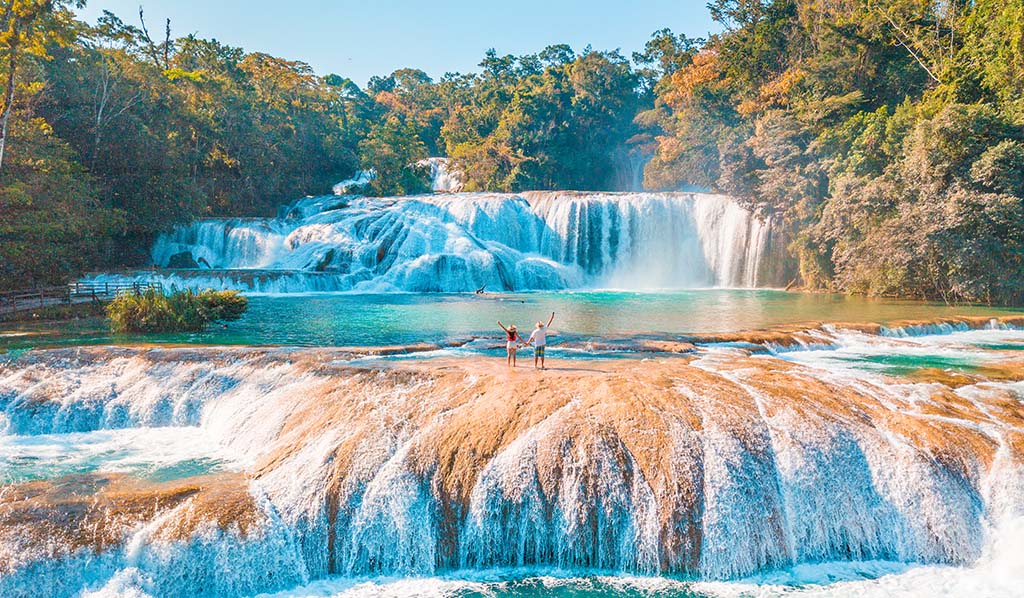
(28, 27)
(52, 223)
(551, 120)
(882, 138)
(391, 150)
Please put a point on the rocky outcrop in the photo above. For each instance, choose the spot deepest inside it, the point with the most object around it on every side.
(182, 261)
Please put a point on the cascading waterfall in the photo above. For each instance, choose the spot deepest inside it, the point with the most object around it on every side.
(442, 178)
(250, 243)
(463, 242)
(715, 466)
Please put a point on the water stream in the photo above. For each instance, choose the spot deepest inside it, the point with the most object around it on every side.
(720, 440)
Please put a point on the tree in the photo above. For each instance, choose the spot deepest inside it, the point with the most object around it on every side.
(871, 133)
(551, 120)
(52, 222)
(392, 149)
(27, 27)
(664, 54)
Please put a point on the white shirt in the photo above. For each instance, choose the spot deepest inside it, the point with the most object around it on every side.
(539, 338)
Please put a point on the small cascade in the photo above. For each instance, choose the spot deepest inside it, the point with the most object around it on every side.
(653, 240)
(234, 243)
(442, 178)
(459, 242)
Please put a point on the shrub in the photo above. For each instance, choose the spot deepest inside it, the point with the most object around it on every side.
(183, 311)
(999, 168)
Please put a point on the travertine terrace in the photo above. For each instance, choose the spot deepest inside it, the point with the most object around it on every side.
(713, 463)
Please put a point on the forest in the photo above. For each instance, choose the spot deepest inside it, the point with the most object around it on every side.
(883, 138)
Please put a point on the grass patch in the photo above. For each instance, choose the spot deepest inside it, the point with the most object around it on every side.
(183, 311)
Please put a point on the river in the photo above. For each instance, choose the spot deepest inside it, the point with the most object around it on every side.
(719, 440)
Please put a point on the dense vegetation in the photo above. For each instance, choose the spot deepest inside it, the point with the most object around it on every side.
(182, 311)
(884, 138)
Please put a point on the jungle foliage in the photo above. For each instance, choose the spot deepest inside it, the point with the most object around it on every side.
(884, 138)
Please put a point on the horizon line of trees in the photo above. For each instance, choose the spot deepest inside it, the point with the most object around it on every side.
(884, 138)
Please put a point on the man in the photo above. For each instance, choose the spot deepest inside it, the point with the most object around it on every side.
(539, 340)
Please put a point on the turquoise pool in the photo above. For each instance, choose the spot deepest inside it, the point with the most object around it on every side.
(393, 319)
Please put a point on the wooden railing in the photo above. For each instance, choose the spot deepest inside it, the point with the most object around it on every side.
(30, 298)
(109, 290)
(74, 292)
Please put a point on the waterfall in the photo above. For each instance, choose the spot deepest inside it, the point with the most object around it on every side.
(235, 243)
(464, 241)
(716, 467)
(442, 178)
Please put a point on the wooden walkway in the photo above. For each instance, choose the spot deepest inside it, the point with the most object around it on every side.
(74, 292)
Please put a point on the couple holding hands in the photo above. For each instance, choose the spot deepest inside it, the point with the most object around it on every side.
(539, 340)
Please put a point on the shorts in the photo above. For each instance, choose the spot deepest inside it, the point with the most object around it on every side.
(510, 345)
(539, 351)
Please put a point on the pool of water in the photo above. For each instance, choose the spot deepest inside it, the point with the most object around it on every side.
(393, 319)
(154, 454)
(995, 576)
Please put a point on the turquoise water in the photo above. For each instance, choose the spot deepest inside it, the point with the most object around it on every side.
(905, 364)
(154, 454)
(394, 319)
(866, 579)
(502, 584)
(961, 351)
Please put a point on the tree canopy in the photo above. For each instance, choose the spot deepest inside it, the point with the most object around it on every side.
(883, 138)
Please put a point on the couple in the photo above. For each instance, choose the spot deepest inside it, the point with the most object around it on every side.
(539, 340)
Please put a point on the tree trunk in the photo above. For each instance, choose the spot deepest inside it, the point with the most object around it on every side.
(8, 103)
(104, 95)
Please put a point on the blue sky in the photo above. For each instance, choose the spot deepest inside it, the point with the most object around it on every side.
(358, 39)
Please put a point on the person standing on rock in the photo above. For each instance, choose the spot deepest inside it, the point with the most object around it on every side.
(539, 340)
(512, 342)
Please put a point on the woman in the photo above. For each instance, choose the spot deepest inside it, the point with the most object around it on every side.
(512, 342)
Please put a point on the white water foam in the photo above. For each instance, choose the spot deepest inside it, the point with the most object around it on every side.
(442, 178)
(998, 574)
(943, 347)
(140, 451)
